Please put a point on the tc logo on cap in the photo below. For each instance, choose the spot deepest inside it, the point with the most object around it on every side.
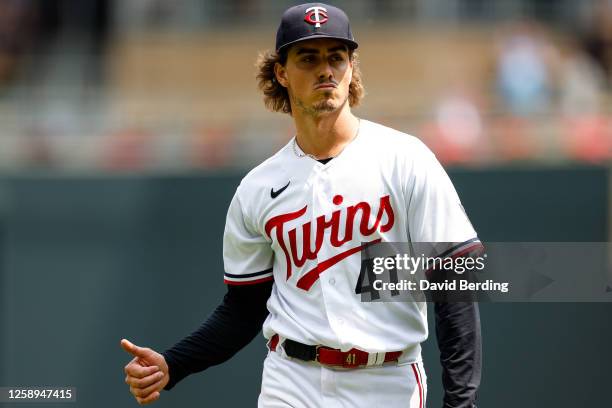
(316, 16)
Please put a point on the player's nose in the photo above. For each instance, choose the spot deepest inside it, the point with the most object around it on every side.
(325, 71)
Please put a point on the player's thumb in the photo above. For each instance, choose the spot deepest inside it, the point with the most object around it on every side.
(134, 349)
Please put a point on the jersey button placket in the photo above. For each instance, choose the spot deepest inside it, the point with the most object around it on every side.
(321, 207)
(329, 282)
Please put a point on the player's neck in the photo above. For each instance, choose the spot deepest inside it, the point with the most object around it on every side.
(325, 136)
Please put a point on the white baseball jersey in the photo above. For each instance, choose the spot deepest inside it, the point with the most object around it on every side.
(303, 223)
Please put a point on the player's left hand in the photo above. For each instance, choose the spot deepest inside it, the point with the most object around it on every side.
(147, 373)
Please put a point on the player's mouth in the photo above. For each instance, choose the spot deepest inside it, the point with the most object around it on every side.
(326, 85)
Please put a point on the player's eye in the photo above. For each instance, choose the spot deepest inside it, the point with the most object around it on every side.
(336, 58)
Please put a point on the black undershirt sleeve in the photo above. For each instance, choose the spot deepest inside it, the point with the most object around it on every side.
(459, 341)
(232, 325)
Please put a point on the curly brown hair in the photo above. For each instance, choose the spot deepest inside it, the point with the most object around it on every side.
(276, 97)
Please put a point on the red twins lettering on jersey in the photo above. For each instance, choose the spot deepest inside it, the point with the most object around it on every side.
(305, 246)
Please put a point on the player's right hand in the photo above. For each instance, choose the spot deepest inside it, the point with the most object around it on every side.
(147, 373)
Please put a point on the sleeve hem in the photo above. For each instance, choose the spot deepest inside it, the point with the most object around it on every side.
(234, 281)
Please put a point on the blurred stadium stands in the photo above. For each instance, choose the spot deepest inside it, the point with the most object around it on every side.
(163, 85)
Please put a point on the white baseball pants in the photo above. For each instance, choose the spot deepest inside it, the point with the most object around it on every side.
(288, 382)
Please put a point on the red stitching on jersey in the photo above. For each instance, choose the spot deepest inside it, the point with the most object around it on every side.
(278, 222)
(291, 249)
(310, 277)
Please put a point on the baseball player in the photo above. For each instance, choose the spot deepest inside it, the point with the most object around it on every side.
(292, 242)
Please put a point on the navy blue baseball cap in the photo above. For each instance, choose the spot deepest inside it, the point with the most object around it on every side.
(313, 20)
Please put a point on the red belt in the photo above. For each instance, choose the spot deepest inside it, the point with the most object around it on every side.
(354, 358)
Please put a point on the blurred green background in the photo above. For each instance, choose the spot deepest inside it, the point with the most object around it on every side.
(87, 261)
(125, 128)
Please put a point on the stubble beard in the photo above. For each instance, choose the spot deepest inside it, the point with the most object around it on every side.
(326, 105)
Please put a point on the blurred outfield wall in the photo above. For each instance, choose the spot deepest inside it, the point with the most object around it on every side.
(86, 261)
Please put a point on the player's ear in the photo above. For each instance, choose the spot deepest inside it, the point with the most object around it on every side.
(351, 64)
(280, 72)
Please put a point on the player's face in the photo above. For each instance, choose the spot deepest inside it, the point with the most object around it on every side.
(317, 75)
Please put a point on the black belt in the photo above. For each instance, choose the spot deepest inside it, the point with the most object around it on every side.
(301, 351)
(353, 358)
